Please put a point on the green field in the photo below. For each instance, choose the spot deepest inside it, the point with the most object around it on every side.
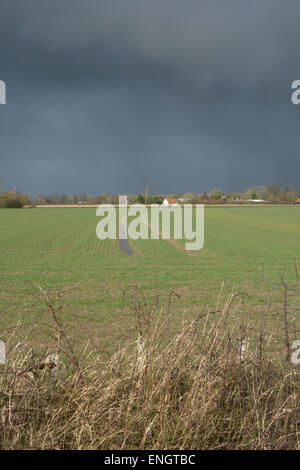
(57, 248)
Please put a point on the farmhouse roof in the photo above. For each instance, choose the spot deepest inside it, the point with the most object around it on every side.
(171, 201)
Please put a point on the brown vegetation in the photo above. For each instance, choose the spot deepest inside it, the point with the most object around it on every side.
(216, 383)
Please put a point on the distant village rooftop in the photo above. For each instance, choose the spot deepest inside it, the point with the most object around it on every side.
(170, 202)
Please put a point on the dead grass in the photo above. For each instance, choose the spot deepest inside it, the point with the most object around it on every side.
(215, 383)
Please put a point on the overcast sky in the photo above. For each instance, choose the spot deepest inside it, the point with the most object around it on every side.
(112, 95)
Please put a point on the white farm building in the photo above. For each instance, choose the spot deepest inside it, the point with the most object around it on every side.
(170, 202)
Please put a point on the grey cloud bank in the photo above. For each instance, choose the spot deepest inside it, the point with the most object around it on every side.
(183, 96)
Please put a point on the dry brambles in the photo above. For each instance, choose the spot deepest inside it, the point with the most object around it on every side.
(217, 382)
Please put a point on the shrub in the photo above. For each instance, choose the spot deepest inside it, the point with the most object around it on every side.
(198, 388)
(216, 194)
(14, 204)
(141, 199)
(15, 201)
(155, 200)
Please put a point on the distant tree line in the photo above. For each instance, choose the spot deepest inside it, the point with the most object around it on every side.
(104, 198)
(13, 199)
(271, 193)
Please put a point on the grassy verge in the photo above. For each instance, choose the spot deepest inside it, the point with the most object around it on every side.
(216, 382)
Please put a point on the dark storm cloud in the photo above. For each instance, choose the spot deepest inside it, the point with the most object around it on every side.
(114, 95)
